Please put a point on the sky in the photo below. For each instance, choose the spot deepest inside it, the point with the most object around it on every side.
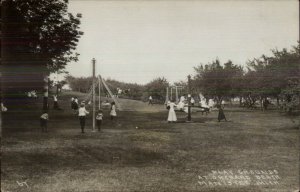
(137, 41)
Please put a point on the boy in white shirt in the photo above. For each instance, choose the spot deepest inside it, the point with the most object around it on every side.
(82, 112)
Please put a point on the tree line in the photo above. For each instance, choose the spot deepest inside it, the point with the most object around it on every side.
(156, 88)
(275, 77)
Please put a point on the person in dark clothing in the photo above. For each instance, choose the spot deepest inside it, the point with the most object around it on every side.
(55, 102)
(82, 112)
(99, 118)
(75, 104)
(44, 121)
(221, 114)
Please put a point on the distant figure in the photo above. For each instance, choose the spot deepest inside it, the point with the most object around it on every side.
(113, 112)
(182, 99)
(82, 112)
(72, 103)
(99, 118)
(150, 100)
(265, 104)
(120, 91)
(34, 94)
(55, 103)
(181, 105)
(172, 115)
(192, 101)
(76, 104)
(3, 108)
(221, 114)
(44, 121)
(204, 107)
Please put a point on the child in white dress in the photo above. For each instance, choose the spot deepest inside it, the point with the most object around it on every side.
(113, 112)
(172, 115)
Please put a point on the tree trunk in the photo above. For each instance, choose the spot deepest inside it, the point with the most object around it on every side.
(261, 103)
(46, 93)
(241, 98)
(278, 104)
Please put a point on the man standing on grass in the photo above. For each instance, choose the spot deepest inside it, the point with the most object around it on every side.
(82, 112)
(150, 100)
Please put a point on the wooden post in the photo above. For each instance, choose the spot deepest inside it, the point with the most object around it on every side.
(99, 85)
(46, 93)
(176, 94)
(93, 94)
(167, 95)
(171, 95)
(189, 99)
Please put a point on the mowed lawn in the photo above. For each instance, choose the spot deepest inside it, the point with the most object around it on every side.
(141, 152)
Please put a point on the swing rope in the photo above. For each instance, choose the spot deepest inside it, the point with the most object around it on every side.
(110, 93)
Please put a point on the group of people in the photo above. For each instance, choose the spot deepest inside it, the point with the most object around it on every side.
(82, 113)
(172, 114)
(3, 108)
(74, 103)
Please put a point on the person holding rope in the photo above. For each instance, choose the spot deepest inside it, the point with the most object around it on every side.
(82, 112)
(172, 115)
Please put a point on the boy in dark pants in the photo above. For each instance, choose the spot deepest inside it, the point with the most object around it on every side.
(99, 119)
(44, 120)
(82, 112)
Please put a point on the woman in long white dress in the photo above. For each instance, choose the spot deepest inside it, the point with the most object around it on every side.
(172, 115)
(113, 112)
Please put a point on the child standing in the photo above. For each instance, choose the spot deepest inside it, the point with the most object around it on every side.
(75, 104)
(99, 119)
(113, 112)
(82, 112)
(55, 103)
(44, 120)
(221, 114)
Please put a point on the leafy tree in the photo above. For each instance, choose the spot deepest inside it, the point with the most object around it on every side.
(291, 95)
(268, 76)
(39, 37)
(218, 81)
(157, 89)
(80, 84)
(84, 84)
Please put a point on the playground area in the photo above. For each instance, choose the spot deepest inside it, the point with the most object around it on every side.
(140, 151)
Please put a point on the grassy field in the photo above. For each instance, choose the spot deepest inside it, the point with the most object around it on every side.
(141, 152)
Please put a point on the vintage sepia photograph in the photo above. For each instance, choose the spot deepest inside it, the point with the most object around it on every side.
(150, 96)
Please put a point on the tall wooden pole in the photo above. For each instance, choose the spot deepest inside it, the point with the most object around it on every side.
(167, 95)
(99, 85)
(93, 94)
(46, 93)
(189, 99)
(176, 93)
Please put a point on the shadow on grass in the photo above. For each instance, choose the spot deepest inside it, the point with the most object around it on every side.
(48, 162)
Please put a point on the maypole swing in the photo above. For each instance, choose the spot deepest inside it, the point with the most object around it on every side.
(92, 93)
